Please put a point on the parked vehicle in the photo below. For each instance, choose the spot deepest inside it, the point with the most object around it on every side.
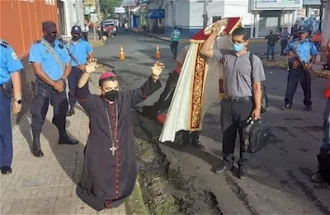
(109, 26)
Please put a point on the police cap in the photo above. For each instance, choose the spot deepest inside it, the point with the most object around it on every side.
(75, 30)
(304, 29)
(49, 27)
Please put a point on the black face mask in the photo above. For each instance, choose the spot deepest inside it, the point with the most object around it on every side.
(111, 95)
(75, 37)
(50, 38)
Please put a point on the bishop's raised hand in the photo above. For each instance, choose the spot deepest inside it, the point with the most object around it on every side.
(91, 67)
(157, 70)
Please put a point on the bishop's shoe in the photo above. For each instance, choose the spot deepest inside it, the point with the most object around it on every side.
(66, 139)
(5, 170)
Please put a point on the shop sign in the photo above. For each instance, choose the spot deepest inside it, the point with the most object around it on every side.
(301, 13)
(277, 4)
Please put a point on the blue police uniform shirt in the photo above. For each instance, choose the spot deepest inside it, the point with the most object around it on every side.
(39, 53)
(305, 49)
(9, 62)
(80, 51)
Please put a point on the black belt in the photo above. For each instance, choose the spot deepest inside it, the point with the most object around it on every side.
(238, 99)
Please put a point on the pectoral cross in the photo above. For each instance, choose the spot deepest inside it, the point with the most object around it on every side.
(113, 149)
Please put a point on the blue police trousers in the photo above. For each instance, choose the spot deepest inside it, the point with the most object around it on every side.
(45, 95)
(305, 80)
(73, 83)
(6, 138)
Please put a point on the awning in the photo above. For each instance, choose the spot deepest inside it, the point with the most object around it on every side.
(155, 14)
(135, 9)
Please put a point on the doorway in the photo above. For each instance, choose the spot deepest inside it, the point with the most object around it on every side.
(61, 15)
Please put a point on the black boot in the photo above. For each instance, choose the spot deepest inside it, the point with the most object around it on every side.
(71, 111)
(224, 167)
(242, 172)
(66, 139)
(185, 138)
(36, 147)
(194, 136)
(5, 170)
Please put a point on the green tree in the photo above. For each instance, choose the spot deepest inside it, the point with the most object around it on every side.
(108, 7)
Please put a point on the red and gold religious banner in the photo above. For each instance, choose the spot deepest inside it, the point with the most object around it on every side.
(199, 84)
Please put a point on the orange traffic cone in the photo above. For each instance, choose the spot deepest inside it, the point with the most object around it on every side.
(157, 55)
(122, 55)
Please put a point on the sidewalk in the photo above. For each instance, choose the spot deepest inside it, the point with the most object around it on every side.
(47, 185)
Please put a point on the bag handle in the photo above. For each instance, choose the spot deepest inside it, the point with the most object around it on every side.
(53, 53)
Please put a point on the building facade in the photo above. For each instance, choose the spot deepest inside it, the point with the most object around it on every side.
(259, 16)
(73, 15)
(21, 26)
(21, 22)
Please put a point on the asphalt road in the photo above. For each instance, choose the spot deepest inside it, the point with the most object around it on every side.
(279, 174)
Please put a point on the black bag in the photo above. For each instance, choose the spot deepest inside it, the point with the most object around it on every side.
(324, 164)
(256, 134)
(264, 97)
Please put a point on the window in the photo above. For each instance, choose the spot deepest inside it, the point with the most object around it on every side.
(215, 18)
(49, 2)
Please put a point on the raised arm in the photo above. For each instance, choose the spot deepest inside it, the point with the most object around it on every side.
(82, 93)
(149, 87)
(207, 49)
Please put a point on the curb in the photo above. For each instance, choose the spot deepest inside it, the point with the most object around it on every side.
(134, 204)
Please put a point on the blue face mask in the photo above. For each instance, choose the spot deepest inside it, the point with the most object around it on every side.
(237, 47)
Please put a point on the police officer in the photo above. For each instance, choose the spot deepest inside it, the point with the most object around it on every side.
(302, 53)
(9, 76)
(51, 64)
(175, 37)
(80, 50)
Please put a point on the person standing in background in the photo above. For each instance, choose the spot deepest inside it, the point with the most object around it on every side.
(284, 36)
(175, 37)
(317, 39)
(10, 79)
(85, 31)
(272, 40)
(80, 51)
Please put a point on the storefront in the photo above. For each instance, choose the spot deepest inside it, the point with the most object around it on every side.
(273, 15)
(156, 18)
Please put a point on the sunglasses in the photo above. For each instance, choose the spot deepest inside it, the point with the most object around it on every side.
(53, 33)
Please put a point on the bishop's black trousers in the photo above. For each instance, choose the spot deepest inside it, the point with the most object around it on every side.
(305, 79)
(44, 94)
(233, 112)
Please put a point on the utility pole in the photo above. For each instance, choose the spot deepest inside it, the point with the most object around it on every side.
(205, 18)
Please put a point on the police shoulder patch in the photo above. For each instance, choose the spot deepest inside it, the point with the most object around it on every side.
(14, 56)
(4, 44)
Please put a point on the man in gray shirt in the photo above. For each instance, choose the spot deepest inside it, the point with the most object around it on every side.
(242, 88)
